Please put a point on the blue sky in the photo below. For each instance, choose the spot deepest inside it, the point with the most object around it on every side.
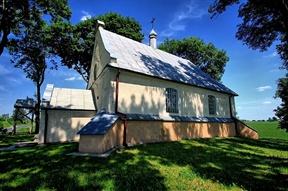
(252, 74)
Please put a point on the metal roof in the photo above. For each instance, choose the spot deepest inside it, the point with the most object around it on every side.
(100, 124)
(137, 57)
(28, 103)
(65, 98)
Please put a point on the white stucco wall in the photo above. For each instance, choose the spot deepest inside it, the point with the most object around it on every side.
(100, 59)
(146, 95)
(104, 90)
(63, 125)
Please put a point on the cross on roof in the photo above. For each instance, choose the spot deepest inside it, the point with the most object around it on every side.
(152, 22)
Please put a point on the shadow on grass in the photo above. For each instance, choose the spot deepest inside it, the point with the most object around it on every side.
(232, 161)
(251, 165)
(48, 167)
(7, 140)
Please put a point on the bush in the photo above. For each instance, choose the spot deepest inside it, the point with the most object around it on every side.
(3, 131)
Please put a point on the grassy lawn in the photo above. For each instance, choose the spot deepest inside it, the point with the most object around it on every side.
(7, 140)
(198, 164)
(268, 129)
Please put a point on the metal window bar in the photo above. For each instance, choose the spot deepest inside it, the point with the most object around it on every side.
(212, 104)
(171, 100)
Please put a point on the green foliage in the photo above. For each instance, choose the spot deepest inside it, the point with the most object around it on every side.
(263, 23)
(206, 56)
(15, 15)
(30, 47)
(19, 115)
(125, 26)
(79, 39)
(282, 111)
(5, 122)
(198, 164)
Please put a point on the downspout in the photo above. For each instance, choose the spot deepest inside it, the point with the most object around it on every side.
(46, 125)
(122, 116)
(231, 115)
(117, 91)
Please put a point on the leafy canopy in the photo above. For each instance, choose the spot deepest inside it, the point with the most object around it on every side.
(15, 15)
(206, 56)
(31, 46)
(264, 22)
(282, 111)
(79, 39)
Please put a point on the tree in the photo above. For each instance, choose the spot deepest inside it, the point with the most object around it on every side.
(14, 15)
(206, 56)
(274, 118)
(30, 50)
(263, 23)
(79, 39)
(282, 111)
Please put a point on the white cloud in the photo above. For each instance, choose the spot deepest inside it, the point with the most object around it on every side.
(73, 78)
(18, 80)
(275, 70)
(70, 79)
(4, 70)
(85, 15)
(272, 55)
(267, 102)
(263, 88)
(178, 23)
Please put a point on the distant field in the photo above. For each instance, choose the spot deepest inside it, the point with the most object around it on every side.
(268, 129)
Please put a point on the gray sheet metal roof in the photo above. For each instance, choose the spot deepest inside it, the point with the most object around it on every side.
(100, 124)
(65, 98)
(137, 57)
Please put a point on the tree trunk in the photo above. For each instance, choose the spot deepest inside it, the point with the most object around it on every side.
(32, 121)
(37, 109)
(14, 126)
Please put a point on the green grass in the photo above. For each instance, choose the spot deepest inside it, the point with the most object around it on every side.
(5, 123)
(268, 129)
(7, 140)
(198, 164)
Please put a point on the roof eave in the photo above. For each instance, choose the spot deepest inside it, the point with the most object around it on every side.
(124, 69)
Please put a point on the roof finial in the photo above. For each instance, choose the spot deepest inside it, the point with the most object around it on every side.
(152, 22)
(153, 35)
(100, 24)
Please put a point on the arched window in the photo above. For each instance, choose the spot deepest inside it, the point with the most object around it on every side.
(171, 100)
(212, 104)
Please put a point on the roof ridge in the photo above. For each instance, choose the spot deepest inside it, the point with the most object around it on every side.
(171, 67)
(154, 49)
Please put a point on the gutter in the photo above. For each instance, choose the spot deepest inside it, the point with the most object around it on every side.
(122, 116)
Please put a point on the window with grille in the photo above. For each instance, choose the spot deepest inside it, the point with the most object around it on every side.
(212, 105)
(171, 100)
